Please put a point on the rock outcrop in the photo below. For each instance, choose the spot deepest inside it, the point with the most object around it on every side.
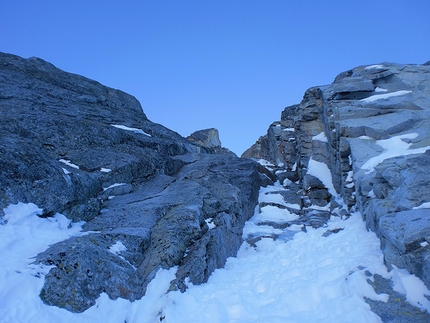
(371, 130)
(207, 138)
(151, 199)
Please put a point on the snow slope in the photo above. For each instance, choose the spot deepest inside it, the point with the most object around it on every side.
(315, 276)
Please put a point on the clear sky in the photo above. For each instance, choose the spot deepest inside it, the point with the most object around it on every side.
(232, 65)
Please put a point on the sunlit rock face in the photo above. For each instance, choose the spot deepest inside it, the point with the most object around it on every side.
(73, 146)
(371, 127)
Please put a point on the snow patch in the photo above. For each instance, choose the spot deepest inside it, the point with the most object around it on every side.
(310, 277)
(264, 162)
(117, 248)
(113, 185)
(320, 170)
(274, 214)
(68, 163)
(320, 137)
(384, 96)
(210, 223)
(376, 66)
(136, 130)
(105, 170)
(393, 147)
(378, 89)
(24, 235)
(412, 287)
(425, 205)
(349, 177)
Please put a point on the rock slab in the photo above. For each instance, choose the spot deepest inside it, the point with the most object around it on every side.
(150, 198)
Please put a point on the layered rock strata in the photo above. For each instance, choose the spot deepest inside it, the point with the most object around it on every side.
(371, 130)
(150, 198)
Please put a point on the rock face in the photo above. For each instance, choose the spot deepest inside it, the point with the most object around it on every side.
(371, 128)
(207, 138)
(150, 198)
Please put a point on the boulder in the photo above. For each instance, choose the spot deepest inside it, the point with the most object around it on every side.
(207, 138)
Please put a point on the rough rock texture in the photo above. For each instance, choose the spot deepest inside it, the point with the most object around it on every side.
(150, 198)
(207, 138)
(348, 125)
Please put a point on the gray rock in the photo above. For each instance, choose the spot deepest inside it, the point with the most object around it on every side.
(54, 117)
(207, 138)
(396, 309)
(366, 101)
(162, 223)
(74, 146)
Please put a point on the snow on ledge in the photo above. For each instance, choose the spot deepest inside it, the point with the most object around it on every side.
(378, 89)
(322, 172)
(113, 185)
(393, 147)
(264, 162)
(384, 96)
(136, 130)
(425, 205)
(68, 163)
(376, 66)
(320, 137)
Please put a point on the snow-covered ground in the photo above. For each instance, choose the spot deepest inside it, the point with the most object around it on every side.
(313, 276)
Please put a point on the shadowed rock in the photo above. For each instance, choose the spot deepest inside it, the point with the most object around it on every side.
(72, 145)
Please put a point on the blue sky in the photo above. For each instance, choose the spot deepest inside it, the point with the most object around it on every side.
(232, 65)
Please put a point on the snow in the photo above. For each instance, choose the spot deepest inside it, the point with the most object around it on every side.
(308, 279)
(365, 138)
(65, 171)
(349, 177)
(68, 163)
(376, 66)
(299, 277)
(267, 196)
(294, 168)
(136, 130)
(24, 235)
(320, 137)
(117, 248)
(289, 129)
(321, 171)
(264, 162)
(378, 89)
(210, 223)
(274, 214)
(113, 185)
(384, 96)
(412, 287)
(105, 170)
(393, 147)
(425, 205)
